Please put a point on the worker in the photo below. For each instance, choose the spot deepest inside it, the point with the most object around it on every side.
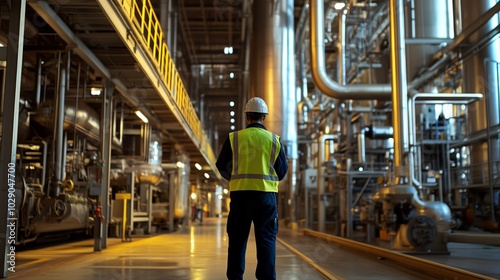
(253, 160)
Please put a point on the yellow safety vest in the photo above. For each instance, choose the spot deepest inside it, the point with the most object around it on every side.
(255, 151)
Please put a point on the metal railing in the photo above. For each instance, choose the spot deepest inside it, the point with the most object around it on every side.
(476, 175)
(147, 29)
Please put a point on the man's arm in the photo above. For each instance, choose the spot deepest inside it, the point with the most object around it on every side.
(281, 164)
(225, 161)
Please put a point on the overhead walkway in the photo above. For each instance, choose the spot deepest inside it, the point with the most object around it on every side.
(164, 98)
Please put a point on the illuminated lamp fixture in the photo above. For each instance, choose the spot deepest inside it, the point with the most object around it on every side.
(95, 91)
(206, 175)
(141, 116)
(198, 166)
(228, 50)
(339, 5)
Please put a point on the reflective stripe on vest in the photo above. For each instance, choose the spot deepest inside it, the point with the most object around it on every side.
(250, 172)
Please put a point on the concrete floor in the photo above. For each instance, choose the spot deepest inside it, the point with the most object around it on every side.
(195, 253)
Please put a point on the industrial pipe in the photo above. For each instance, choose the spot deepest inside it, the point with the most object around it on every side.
(318, 70)
(321, 182)
(399, 86)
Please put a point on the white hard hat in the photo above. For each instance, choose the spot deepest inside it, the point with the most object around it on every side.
(256, 105)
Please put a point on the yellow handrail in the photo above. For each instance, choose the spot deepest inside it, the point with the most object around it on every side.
(147, 28)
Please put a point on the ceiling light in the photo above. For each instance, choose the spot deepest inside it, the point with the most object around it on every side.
(231, 75)
(231, 103)
(231, 113)
(95, 91)
(231, 120)
(339, 5)
(198, 166)
(232, 127)
(206, 175)
(228, 50)
(141, 116)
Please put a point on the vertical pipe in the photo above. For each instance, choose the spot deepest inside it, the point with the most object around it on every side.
(68, 67)
(171, 199)
(303, 75)
(38, 87)
(59, 128)
(63, 159)
(164, 15)
(173, 42)
(492, 99)
(289, 123)
(321, 181)
(76, 110)
(341, 63)
(53, 156)
(308, 220)
(412, 27)
(415, 170)
(44, 162)
(457, 17)
(361, 147)
(106, 140)
(399, 85)
(321, 185)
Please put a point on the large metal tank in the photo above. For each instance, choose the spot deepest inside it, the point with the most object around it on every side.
(82, 117)
(272, 67)
(142, 147)
(480, 74)
(427, 23)
(272, 77)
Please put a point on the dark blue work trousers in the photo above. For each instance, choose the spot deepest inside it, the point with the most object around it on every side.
(261, 209)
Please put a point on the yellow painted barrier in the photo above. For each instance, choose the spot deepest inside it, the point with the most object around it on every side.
(125, 197)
